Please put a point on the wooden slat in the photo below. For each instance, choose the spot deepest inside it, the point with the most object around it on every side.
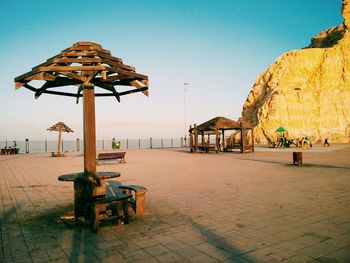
(22, 77)
(29, 87)
(47, 62)
(117, 64)
(42, 89)
(110, 88)
(80, 89)
(117, 77)
(103, 55)
(79, 54)
(77, 60)
(72, 68)
(19, 84)
(73, 75)
(138, 86)
(53, 92)
(128, 73)
(144, 89)
(90, 48)
(41, 76)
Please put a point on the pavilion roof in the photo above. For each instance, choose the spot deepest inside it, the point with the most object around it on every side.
(220, 123)
(60, 126)
(84, 64)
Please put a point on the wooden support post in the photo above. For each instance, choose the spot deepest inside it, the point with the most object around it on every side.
(90, 145)
(89, 130)
(78, 145)
(223, 140)
(150, 143)
(59, 141)
(202, 133)
(191, 139)
(252, 149)
(242, 140)
(217, 140)
(182, 143)
(195, 138)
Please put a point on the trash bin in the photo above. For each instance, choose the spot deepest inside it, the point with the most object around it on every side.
(297, 158)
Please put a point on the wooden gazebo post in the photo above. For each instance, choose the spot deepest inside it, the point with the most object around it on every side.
(242, 139)
(195, 138)
(191, 139)
(217, 140)
(252, 150)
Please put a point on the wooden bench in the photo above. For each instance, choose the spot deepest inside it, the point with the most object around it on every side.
(138, 199)
(111, 156)
(98, 212)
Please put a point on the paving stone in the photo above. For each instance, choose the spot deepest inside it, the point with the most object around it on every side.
(203, 258)
(276, 214)
(169, 257)
(157, 250)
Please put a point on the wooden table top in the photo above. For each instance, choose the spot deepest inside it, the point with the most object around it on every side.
(87, 177)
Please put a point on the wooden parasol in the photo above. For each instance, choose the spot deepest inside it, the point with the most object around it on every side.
(60, 127)
(85, 65)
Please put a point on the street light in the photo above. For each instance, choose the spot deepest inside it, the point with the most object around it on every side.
(185, 90)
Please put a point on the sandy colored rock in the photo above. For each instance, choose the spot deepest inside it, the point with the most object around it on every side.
(306, 91)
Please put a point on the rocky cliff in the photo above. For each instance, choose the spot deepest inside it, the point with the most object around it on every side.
(306, 91)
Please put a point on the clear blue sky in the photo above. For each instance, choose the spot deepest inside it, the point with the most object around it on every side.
(219, 47)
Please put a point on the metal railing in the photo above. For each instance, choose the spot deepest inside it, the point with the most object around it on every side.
(37, 146)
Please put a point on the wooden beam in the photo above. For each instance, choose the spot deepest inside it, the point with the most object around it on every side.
(29, 87)
(110, 88)
(138, 86)
(22, 77)
(72, 68)
(104, 55)
(78, 60)
(120, 93)
(128, 73)
(117, 77)
(72, 75)
(20, 84)
(80, 89)
(78, 53)
(117, 64)
(53, 92)
(42, 89)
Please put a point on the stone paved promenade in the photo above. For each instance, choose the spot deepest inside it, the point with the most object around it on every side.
(201, 208)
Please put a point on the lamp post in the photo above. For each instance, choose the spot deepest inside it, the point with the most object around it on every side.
(185, 114)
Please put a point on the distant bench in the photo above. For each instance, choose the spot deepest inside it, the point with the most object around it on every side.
(111, 156)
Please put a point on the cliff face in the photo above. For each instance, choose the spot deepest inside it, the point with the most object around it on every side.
(306, 91)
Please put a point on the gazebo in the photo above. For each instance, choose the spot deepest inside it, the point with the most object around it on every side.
(217, 126)
(95, 73)
(60, 127)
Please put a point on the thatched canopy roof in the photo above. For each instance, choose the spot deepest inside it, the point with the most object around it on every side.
(84, 64)
(60, 126)
(220, 123)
